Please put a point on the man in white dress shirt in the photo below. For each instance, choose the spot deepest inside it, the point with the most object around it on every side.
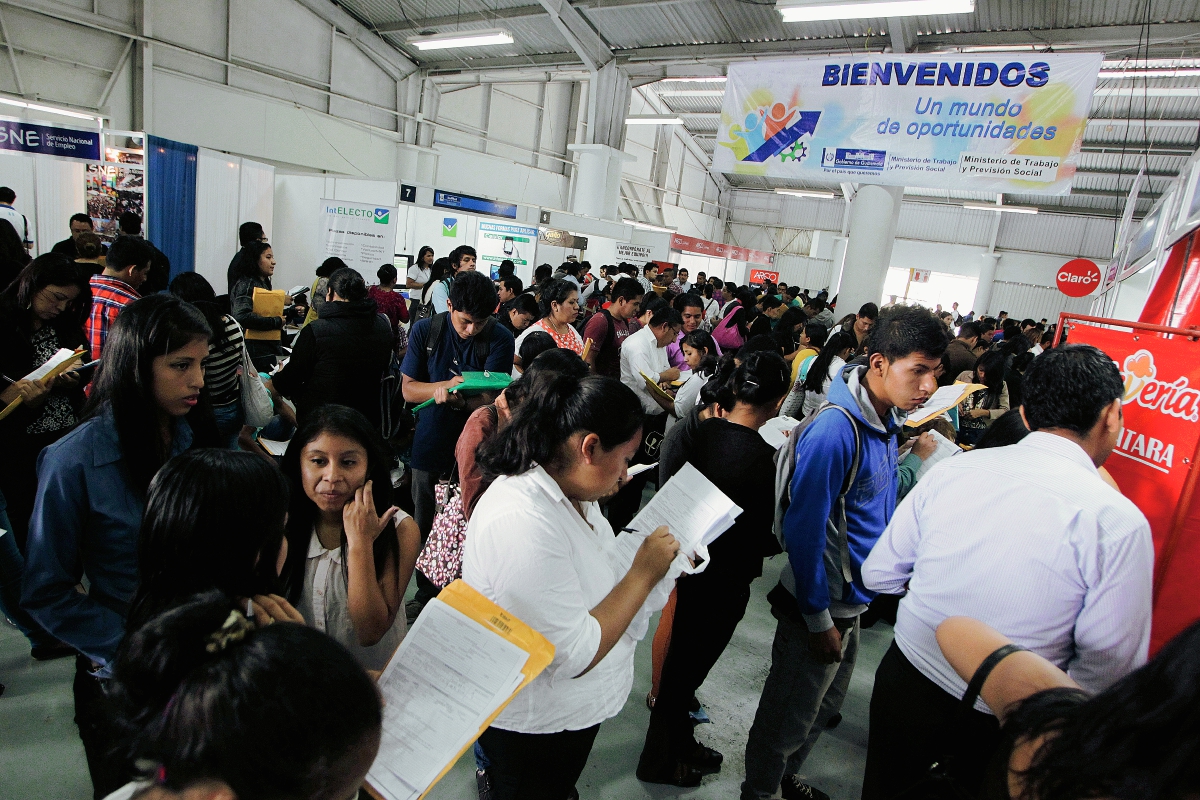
(1026, 538)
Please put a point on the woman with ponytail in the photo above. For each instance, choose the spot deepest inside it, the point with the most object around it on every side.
(538, 546)
(709, 605)
(209, 706)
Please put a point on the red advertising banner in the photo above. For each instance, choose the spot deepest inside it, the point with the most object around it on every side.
(706, 248)
(1154, 457)
(761, 276)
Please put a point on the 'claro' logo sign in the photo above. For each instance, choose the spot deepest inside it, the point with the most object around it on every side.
(1079, 277)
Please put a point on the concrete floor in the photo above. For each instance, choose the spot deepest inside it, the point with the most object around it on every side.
(41, 757)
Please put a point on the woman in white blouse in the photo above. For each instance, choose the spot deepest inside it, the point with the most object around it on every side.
(539, 547)
(350, 551)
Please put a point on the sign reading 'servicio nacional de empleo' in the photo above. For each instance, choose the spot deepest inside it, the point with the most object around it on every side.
(996, 123)
(49, 140)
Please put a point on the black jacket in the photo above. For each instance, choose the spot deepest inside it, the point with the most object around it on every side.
(339, 358)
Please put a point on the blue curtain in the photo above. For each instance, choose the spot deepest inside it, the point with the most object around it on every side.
(172, 201)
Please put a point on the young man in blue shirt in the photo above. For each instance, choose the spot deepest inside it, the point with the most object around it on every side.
(466, 338)
(820, 593)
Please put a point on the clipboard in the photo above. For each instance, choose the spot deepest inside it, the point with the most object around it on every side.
(469, 602)
(475, 383)
(267, 303)
(654, 389)
(53, 372)
(940, 402)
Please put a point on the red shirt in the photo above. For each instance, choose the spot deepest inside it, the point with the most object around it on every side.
(109, 296)
(391, 304)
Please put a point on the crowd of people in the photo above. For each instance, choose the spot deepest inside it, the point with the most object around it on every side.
(240, 598)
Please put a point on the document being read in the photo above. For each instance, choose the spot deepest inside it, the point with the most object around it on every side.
(696, 512)
(447, 678)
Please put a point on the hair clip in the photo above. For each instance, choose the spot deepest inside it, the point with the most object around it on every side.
(234, 630)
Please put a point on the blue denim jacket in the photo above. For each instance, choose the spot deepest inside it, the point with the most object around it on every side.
(86, 521)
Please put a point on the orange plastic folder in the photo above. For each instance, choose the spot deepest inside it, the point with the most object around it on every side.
(464, 660)
(267, 303)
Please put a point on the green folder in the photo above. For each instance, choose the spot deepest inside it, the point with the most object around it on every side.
(476, 383)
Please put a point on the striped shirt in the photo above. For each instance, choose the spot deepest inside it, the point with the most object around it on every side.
(222, 365)
(109, 296)
(1031, 541)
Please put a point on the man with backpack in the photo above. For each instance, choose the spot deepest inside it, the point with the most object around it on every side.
(466, 338)
(832, 509)
(610, 327)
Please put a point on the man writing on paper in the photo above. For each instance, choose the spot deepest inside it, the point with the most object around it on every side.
(463, 339)
(842, 495)
(645, 352)
(127, 268)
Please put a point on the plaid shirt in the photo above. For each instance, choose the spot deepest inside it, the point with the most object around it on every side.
(109, 296)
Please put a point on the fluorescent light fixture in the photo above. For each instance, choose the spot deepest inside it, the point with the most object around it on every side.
(696, 79)
(977, 206)
(48, 109)
(1001, 48)
(653, 119)
(647, 226)
(441, 41)
(821, 193)
(816, 10)
(1114, 73)
(691, 92)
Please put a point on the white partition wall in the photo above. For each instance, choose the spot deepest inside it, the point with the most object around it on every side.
(217, 193)
(229, 191)
(61, 192)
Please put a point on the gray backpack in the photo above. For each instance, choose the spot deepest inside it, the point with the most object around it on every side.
(785, 466)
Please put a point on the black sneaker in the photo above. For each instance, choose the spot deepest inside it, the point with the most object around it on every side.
(795, 789)
(483, 786)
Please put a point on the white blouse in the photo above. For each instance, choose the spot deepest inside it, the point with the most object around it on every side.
(325, 605)
(529, 551)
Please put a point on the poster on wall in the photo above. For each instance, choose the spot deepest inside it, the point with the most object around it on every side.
(997, 123)
(361, 234)
(633, 253)
(496, 241)
(111, 191)
(1154, 453)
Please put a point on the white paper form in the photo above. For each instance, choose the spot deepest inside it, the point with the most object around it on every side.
(447, 677)
(940, 401)
(62, 355)
(945, 449)
(775, 431)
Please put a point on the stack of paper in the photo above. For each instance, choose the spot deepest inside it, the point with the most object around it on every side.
(56, 365)
(695, 512)
(463, 661)
(775, 431)
(945, 449)
(941, 401)
(274, 447)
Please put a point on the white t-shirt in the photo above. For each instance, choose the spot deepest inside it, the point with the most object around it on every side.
(416, 273)
(17, 220)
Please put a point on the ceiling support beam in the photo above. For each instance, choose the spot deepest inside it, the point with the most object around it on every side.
(593, 51)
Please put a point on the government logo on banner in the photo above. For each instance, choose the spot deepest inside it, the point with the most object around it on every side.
(996, 123)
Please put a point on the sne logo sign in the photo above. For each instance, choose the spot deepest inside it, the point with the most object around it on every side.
(381, 216)
(1078, 277)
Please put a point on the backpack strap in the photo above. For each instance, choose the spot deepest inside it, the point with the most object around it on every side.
(610, 338)
(483, 342)
(437, 324)
(840, 527)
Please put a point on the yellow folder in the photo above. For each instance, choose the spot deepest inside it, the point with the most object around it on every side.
(267, 303)
(469, 602)
(653, 388)
(57, 370)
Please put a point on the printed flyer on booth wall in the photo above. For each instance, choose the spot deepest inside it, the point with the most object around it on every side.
(993, 122)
